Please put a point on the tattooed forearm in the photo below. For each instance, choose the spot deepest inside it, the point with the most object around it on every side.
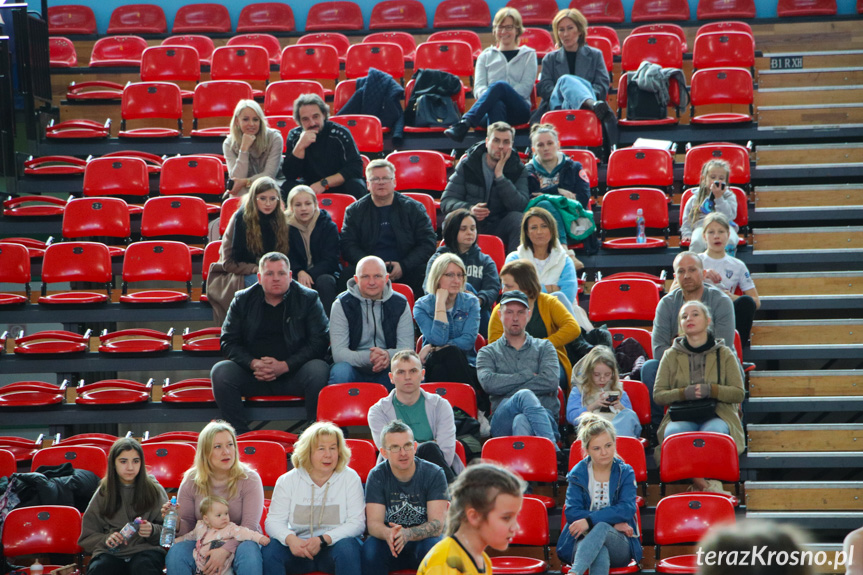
(428, 529)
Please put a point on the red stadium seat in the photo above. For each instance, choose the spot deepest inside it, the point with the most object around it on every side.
(266, 17)
(588, 164)
(203, 44)
(78, 129)
(619, 209)
(8, 465)
(205, 340)
(804, 8)
(14, 268)
(736, 155)
(659, 10)
(623, 300)
(117, 51)
(428, 203)
(630, 450)
(217, 99)
(334, 15)
(366, 130)
(280, 96)
(43, 529)
(721, 86)
(699, 454)
(168, 462)
(457, 98)
(403, 39)
(171, 64)
(33, 206)
(532, 530)
(459, 395)
(533, 458)
(347, 404)
(384, 56)
(189, 437)
(117, 176)
(651, 167)
(335, 39)
(604, 46)
(266, 457)
(576, 128)
(722, 9)
(724, 49)
(108, 392)
(195, 390)
(103, 441)
(453, 56)
(98, 217)
(76, 262)
(71, 19)
(80, 456)
(659, 48)
(135, 341)
(157, 261)
(192, 176)
(398, 15)
(622, 99)
(639, 397)
(462, 14)
(492, 246)
(211, 256)
(309, 62)
(468, 36)
(406, 291)
(61, 52)
(618, 334)
(137, 19)
(609, 34)
(364, 456)
(284, 124)
(600, 11)
(335, 205)
(419, 170)
(539, 39)
(202, 19)
(283, 438)
(685, 518)
(175, 216)
(51, 342)
(242, 63)
(666, 28)
(741, 218)
(149, 100)
(344, 90)
(535, 12)
(54, 166)
(267, 41)
(22, 449)
(725, 26)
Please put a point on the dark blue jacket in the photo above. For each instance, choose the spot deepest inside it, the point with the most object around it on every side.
(324, 245)
(623, 507)
(393, 308)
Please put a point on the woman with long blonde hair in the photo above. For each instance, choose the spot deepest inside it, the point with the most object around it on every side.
(252, 149)
(596, 389)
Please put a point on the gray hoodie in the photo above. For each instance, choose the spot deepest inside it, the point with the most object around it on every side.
(373, 335)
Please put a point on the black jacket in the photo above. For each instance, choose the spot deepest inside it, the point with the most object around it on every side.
(305, 326)
(334, 151)
(411, 225)
(378, 95)
(324, 245)
(466, 187)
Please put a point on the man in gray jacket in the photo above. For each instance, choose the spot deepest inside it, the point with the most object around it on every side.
(369, 323)
(429, 415)
(491, 182)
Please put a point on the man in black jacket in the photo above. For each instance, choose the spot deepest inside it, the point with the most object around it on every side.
(388, 225)
(320, 153)
(275, 338)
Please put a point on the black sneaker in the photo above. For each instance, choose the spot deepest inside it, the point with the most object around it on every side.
(458, 131)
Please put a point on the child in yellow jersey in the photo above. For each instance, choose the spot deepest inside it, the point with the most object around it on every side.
(486, 499)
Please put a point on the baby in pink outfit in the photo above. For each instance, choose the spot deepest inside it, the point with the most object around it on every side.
(214, 529)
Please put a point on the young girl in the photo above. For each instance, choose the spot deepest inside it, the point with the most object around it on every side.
(729, 273)
(595, 381)
(601, 529)
(214, 529)
(486, 499)
(713, 195)
(125, 493)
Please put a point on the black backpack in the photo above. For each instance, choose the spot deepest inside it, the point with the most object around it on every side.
(642, 104)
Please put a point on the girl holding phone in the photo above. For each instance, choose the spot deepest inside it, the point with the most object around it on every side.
(713, 195)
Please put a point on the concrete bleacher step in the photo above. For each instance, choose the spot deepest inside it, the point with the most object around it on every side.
(786, 156)
(809, 95)
(815, 196)
(806, 384)
(810, 437)
(833, 114)
(810, 290)
(809, 240)
(806, 339)
(804, 496)
(827, 76)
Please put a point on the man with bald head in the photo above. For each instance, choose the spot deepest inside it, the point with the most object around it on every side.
(689, 273)
(369, 323)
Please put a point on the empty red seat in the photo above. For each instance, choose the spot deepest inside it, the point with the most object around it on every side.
(609, 34)
(80, 456)
(115, 177)
(453, 56)
(619, 210)
(203, 44)
(535, 12)
(15, 269)
(335, 39)
(280, 96)
(366, 130)
(192, 176)
(217, 99)
(724, 49)
(172, 64)
(157, 261)
(76, 262)
(309, 62)
(54, 165)
(137, 19)
(202, 18)
(78, 129)
(135, 340)
(52, 342)
(117, 51)
(334, 15)
(61, 52)
(266, 17)
(71, 19)
(205, 340)
(721, 86)
(720, 9)
(462, 14)
(33, 206)
(384, 56)
(797, 8)
(398, 15)
(149, 100)
(469, 36)
(661, 48)
(195, 390)
(630, 167)
(335, 205)
(419, 170)
(623, 300)
(539, 39)
(659, 10)
(600, 11)
(175, 216)
(576, 128)
(403, 39)
(267, 41)
(30, 394)
(243, 63)
(668, 28)
(725, 26)
(113, 392)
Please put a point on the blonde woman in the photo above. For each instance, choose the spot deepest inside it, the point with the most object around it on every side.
(318, 510)
(218, 472)
(596, 388)
(252, 149)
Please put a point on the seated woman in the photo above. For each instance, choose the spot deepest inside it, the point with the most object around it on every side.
(314, 241)
(459, 238)
(540, 245)
(318, 511)
(549, 319)
(729, 273)
(596, 389)
(126, 492)
(601, 529)
(503, 81)
(252, 150)
(258, 227)
(550, 171)
(712, 195)
(218, 471)
(586, 79)
(697, 366)
(448, 318)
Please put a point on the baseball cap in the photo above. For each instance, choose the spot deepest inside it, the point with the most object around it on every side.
(513, 295)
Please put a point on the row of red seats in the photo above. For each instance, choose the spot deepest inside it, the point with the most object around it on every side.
(402, 14)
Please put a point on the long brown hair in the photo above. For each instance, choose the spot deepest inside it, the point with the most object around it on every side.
(146, 490)
(252, 219)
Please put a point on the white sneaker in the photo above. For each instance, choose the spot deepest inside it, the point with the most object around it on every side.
(484, 425)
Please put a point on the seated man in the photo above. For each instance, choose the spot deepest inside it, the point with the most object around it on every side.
(520, 374)
(406, 502)
(491, 182)
(429, 415)
(320, 153)
(369, 323)
(389, 225)
(275, 338)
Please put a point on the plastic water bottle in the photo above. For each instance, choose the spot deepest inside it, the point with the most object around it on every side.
(169, 525)
(36, 568)
(640, 238)
(128, 530)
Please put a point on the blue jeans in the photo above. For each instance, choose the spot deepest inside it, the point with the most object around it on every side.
(626, 423)
(378, 560)
(341, 558)
(343, 372)
(499, 103)
(523, 414)
(601, 549)
(247, 559)
(715, 425)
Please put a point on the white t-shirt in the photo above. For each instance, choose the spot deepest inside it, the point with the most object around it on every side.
(600, 496)
(733, 271)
